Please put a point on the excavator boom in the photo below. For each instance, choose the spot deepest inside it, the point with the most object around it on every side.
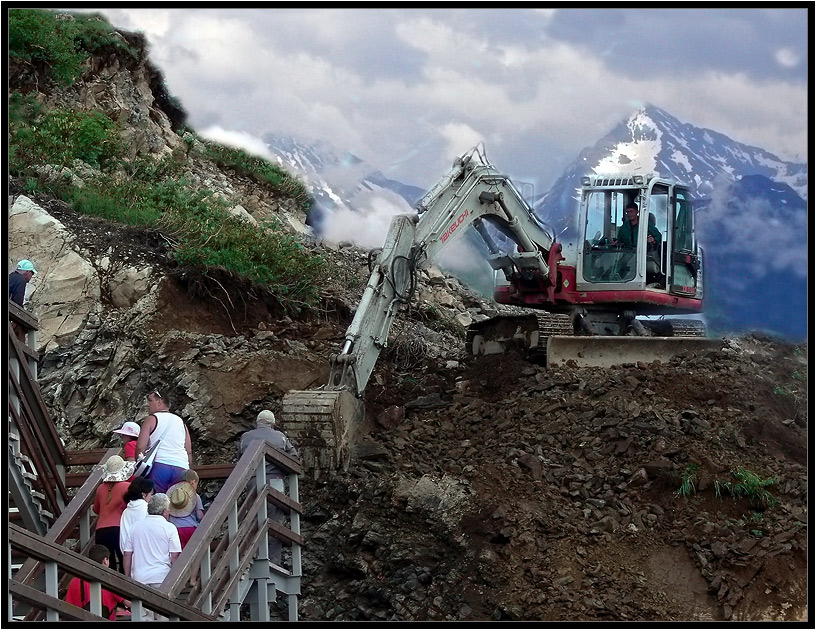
(599, 293)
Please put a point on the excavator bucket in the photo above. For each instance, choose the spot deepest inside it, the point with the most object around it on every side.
(322, 423)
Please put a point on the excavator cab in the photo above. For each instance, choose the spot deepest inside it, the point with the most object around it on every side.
(638, 234)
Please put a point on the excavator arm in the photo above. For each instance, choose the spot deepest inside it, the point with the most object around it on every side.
(472, 193)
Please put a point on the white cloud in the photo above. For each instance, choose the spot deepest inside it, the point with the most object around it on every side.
(535, 102)
(368, 226)
(238, 140)
(787, 58)
(460, 138)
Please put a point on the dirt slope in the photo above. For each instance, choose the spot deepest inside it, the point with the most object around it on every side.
(507, 491)
(493, 488)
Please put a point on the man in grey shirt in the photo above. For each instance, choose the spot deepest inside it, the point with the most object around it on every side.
(265, 430)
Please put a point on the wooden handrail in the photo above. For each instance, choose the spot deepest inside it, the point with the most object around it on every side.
(64, 526)
(38, 600)
(227, 499)
(207, 471)
(85, 568)
(30, 391)
(22, 317)
(45, 467)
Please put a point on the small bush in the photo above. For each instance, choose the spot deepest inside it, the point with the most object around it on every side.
(748, 484)
(59, 137)
(61, 42)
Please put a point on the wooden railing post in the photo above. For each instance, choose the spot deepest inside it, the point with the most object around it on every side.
(51, 588)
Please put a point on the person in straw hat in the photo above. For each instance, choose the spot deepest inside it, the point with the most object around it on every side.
(129, 433)
(109, 503)
(186, 511)
(186, 507)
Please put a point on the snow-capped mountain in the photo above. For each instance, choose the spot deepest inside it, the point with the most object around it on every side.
(751, 217)
(337, 180)
(651, 140)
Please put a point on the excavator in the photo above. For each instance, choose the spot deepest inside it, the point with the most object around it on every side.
(579, 303)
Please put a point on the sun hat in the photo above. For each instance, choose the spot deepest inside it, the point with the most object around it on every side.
(129, 428)
(26, 265)
(267, 417)
(117, 469)
(182, 499)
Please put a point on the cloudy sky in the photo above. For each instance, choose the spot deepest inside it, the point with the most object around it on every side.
(410, 89)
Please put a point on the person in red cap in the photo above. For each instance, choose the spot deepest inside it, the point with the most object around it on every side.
(129, 433)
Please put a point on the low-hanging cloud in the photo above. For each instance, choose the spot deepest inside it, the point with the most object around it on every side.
(367, 224)
(766, 240)
(238, 140)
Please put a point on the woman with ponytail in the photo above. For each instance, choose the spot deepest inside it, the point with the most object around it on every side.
(109, 503)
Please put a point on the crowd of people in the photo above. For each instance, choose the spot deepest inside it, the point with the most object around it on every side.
(145, 519)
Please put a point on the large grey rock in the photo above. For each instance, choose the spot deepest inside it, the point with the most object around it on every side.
(66, 288)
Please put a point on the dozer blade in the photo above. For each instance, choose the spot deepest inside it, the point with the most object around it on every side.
(322, 424)
(603, 351)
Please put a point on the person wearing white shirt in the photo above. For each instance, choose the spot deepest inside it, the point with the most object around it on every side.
(152, 547)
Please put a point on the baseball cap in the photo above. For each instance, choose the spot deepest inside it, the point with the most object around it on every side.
(266, 416)
(129, 428)
(25, 265)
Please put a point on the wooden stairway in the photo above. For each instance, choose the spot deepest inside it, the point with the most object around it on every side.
(51, 523)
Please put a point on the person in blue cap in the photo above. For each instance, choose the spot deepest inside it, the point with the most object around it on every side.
(18, 279)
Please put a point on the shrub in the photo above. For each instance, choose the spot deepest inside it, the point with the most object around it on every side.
(61, 42)
(748, 484)
(59, 137)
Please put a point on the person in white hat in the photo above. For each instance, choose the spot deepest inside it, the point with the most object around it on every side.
(266, 430)
(109, 503)
(152, 548)
(129, 433)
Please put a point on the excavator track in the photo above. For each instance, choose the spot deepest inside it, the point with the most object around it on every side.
(675, 327)
(527, 334)
(550, 339)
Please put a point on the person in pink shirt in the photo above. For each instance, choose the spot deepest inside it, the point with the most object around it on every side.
(129, 433)
(109, 503)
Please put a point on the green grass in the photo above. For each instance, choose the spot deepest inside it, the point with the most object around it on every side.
(58, 137)
(260, 170)
(750, 485)
(60, 42)
(687, 479)
(206, 235)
